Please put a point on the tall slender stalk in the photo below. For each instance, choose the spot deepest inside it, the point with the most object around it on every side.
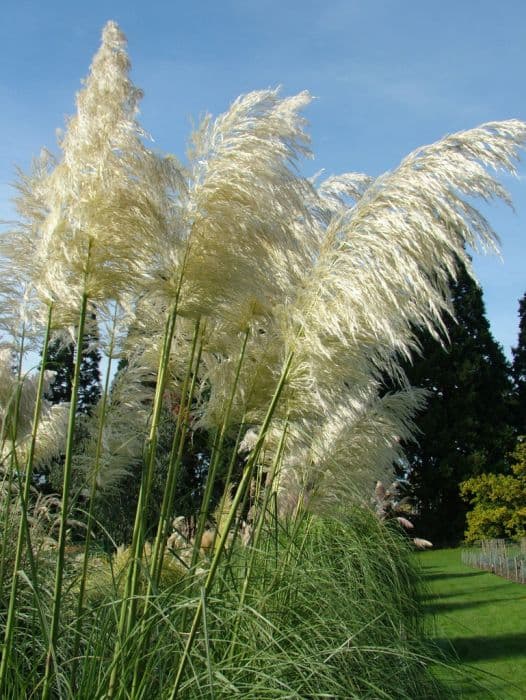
(3, 436)
(175, 461)
(137, 545)
(257, 534)
(129, 603)
(92, 496)
(216, 457)
(23, 537)
(68, 461)
(176, 456)
(240, 492)
(228, 478)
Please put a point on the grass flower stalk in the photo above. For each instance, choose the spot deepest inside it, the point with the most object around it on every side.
(216, 457)
(254, 544)
(127, 616)
(61, 544)
(329, 296)
(175, 460)
(236, 501)
(176, 455)
(23, 537)
(10, 472)
(92, 496)
(225, 496)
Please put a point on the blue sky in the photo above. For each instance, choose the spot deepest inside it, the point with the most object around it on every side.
(388, 75)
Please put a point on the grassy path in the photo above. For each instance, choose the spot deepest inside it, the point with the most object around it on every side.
(483, 617)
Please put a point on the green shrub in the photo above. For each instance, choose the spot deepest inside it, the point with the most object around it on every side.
(498, 500)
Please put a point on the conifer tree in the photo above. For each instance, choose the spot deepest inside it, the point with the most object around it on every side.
(465, 429)
(519, 372)
(61, 359)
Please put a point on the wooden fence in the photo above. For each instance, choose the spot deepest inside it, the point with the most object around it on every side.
(505, 558)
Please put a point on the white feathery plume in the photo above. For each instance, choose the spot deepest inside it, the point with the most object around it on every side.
(51, 434)
(106, 199)
(337, 191)
(384, 265)
(245, 217)
(336, 461)
(124, 429)
(381, 272)
(20, 263)
(258, 375)
(242, 202)
(52, 426)
(260, 256)
(248, 442)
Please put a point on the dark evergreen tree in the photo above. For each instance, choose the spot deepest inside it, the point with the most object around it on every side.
(61, 359)
(519, 372)
(90, 386)
(465, 429)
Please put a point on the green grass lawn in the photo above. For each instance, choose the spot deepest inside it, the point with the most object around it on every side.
(481, 618)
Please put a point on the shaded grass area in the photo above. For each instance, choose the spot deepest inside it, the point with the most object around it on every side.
(481, 619)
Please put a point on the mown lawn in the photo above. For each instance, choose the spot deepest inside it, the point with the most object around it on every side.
(481, 618)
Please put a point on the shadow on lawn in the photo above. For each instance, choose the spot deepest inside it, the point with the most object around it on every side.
(484, 648)
(430, 598)
(438, 606)
(436, 577)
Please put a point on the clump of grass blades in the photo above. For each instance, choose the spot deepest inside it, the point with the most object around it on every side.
(330, 612)
(284, 327)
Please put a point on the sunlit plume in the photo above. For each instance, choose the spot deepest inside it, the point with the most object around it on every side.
(17, 408)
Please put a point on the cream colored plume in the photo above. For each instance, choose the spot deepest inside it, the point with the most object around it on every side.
(384, 265)
(247, 227)
(124, 429)
(21, 266)
(338, 277)
(52, 426)
(106, 201)
(336, 462)
(380, 271)
(243, 201)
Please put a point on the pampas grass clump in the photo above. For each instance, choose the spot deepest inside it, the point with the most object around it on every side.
(255, 315)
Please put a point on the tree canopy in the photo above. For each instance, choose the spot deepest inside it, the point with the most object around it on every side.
(498, 501)
(465, 429)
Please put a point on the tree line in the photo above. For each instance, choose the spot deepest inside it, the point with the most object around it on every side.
(460, 474)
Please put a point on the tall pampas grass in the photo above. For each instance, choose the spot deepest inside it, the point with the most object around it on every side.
(254, 306)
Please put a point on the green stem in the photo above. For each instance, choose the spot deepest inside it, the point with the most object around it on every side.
(257, 534)
(8, 501)
(23, 527)
(129, 603)
(212, 471)
(146, 485)
(228, 479)
(241, 489)
(93, 492)
(68, 461)
(175, 461)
